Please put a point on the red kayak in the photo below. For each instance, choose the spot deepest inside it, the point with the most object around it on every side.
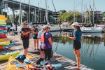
(3, 36)
(1, 47)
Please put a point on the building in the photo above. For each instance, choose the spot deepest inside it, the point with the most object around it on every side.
(33, 14)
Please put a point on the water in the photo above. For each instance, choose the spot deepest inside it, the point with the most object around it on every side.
(92, 51)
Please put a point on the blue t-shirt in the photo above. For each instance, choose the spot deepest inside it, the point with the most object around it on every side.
(77, 35)
(47, 35)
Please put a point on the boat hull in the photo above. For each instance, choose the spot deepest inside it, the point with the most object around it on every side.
(91, 29)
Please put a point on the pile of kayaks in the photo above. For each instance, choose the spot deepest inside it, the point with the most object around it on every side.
(3, 31)
(4, 41)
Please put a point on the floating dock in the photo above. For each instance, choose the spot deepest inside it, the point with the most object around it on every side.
(65, 63)
(62, 62)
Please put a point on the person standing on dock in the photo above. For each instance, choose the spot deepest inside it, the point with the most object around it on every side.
(41, 45)
(35, 37)
(77, 42)
(25, 35)
(48, 43)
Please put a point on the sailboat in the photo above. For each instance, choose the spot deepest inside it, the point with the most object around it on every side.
(92, 29)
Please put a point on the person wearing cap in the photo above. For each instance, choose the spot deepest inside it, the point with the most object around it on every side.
(77, 42)
(25, 35)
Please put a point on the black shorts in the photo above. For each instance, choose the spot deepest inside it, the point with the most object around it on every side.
(35, 36)
(76, 45)
(25, 43)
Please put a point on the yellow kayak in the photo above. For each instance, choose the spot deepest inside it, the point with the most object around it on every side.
(5, 43)
(12, 64)
(2, 22)
(4, 39)
(2, 17)
(7, 55)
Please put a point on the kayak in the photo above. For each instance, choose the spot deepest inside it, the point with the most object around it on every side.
(5, 43)
(14, 64)
(2, 22)
(1, 47)
(6, 56)
(4, 39)
(3, 28)
(3, 36)
(2, 17)
(3, 31)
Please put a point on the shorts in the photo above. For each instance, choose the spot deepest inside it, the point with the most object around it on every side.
(42, 46)
(35, 36)
(76, 45)
(25, 43)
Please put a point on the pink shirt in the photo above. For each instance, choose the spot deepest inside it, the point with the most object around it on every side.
(42, 38)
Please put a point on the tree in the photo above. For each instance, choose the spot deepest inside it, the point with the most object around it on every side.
(69, 16)
(62, 11)
(103, 15)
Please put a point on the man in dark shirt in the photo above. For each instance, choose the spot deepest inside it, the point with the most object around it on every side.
(25, 34)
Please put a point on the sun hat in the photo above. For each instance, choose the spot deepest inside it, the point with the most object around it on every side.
(75, 24)
(45, 27)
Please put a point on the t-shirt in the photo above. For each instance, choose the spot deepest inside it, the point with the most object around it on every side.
(47, 35)
(77, 35)
(36, 30)
(42, 37)
(25, 30)
(40, 33)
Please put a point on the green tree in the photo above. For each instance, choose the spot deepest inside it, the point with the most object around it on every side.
(69, 16)
(103, 15)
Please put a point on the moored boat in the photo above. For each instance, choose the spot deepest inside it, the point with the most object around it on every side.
(94, 29)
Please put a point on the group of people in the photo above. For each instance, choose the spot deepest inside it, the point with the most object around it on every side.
(44, 38)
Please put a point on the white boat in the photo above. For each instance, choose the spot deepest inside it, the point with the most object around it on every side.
(65, 25)
(94, 29)
(55, 28)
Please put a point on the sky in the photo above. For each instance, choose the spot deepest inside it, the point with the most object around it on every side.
(68, 4)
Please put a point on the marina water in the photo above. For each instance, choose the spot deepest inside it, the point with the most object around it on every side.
(92, 49)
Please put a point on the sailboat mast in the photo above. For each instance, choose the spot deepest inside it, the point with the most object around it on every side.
(46, 14)
(74, 12)
(29, 12)
(82, 11)
(20, 16)
(93, 10)
(53, 5)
